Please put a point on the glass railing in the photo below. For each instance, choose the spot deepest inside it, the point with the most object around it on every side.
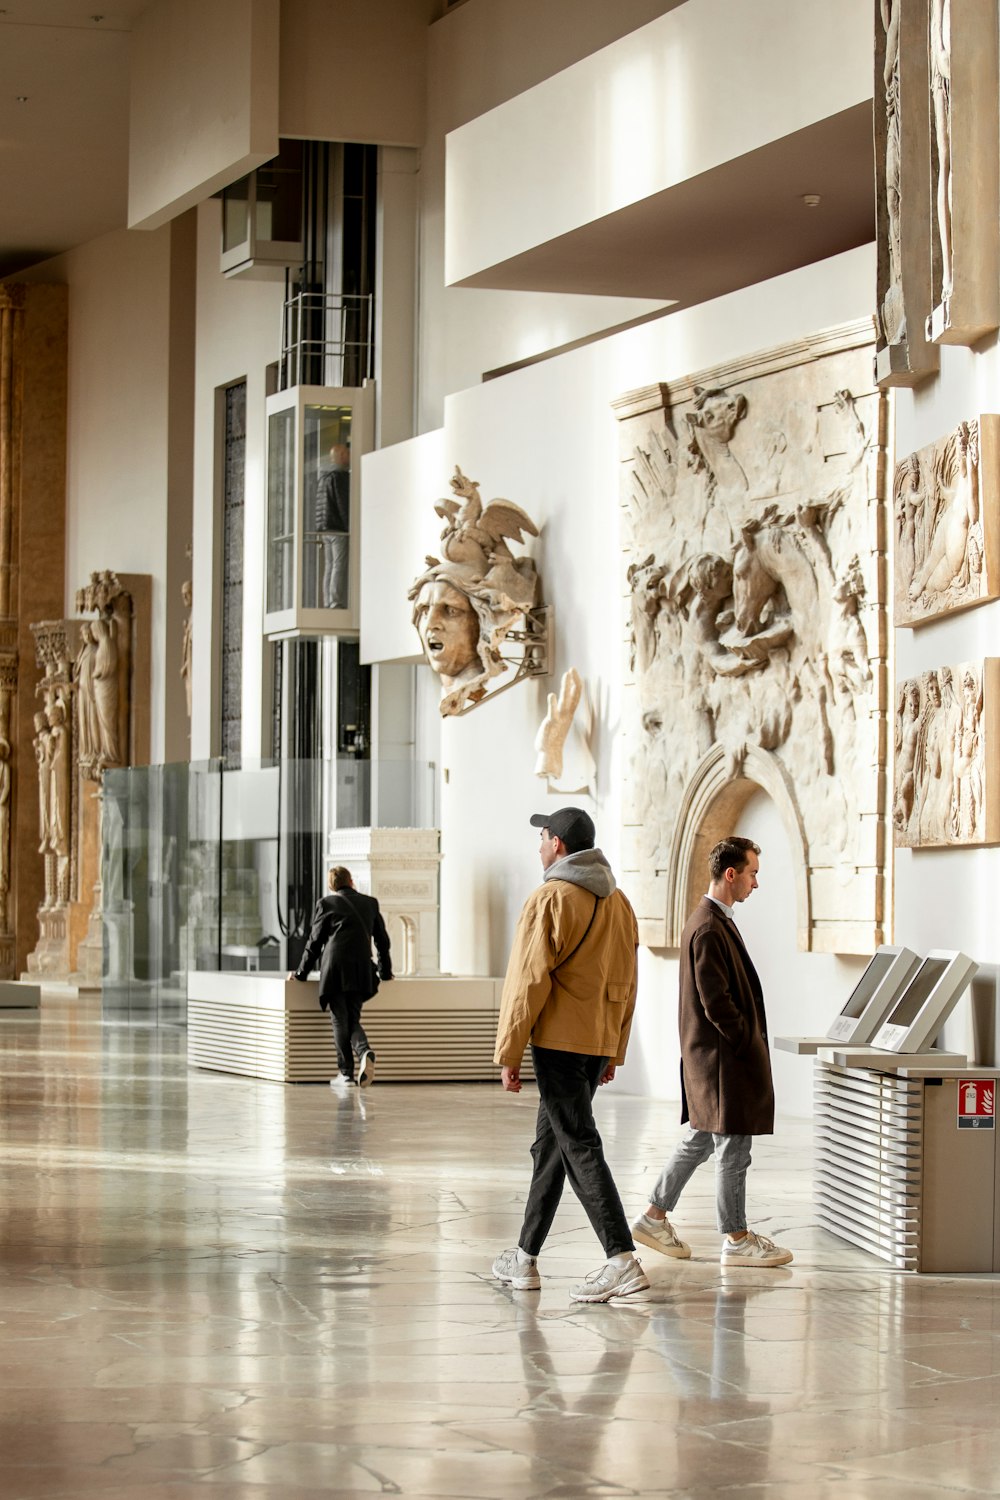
(208, 868)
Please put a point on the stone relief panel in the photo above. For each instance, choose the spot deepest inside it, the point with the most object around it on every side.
(947, 777)
(946, 507)
(477, 608)
(962, 71)
(902, 193)
(756, 627)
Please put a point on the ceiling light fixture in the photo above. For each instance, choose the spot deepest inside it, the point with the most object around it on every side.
(811, 200)
(21, 99)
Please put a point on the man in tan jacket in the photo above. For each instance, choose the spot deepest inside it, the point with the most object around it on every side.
(570, 992)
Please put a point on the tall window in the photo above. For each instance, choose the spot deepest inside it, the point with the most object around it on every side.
(232, 574)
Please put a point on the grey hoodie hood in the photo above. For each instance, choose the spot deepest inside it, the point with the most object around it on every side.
(587, 867)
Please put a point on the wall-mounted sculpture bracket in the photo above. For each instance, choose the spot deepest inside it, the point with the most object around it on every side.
(530, 658)
(477, 600)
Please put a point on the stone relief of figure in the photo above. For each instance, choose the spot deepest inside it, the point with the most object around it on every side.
(86, 709)
(938, 521)
(712, 422)
(645, 580)
(892, 304)
(186, 644)
(940, 759)
(967, 771)
(466, 605)
(907, 738)
(954, 550)
(41, 742)
(102, 669)
(106, 691)
(59, 794)
(4, 825)
(940, 71)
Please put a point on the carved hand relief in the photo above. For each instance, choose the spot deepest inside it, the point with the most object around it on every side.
(755, 626)
(563, 739)
(946, 779)
(467, 603)
(947, 552)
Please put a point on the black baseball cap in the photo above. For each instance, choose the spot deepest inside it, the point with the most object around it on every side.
(571, 824)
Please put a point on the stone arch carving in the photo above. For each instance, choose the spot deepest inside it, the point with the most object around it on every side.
(710, 809)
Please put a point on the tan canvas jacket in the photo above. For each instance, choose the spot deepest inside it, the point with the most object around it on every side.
(585, 1006)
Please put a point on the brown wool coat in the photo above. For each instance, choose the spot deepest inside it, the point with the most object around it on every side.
(726, 1085)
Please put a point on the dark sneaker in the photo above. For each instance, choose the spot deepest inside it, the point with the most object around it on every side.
(366, 1071)
(521, 1275)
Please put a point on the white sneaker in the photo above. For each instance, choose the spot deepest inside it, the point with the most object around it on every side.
(754, 1250)
(660, 1234)
(341, 1084)
(366, 1071)
(610, 1281)
(522, 1275)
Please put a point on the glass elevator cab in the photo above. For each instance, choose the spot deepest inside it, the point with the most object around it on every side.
(316, 436)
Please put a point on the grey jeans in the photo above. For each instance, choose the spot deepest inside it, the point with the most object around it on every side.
(732, 1158)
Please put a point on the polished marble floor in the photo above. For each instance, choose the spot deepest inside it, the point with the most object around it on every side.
(216, 1287)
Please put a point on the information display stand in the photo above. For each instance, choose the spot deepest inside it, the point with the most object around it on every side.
(906, 1159)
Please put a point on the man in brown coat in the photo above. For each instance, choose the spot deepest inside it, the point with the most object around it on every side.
(726, 1089)
(570, 991)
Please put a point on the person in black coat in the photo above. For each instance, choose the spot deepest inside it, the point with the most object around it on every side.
(344, 926)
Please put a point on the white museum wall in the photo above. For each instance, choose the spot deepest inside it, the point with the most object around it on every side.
(238, 336)
(946, 898)
(664, 104)
(545, 437)
(116, 461)
(478, 57)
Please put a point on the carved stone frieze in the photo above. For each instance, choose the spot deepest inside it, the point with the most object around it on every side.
(946, 515)
(756, 620)
(947, 781)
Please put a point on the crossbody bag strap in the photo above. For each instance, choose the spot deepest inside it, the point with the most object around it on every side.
(580, 944)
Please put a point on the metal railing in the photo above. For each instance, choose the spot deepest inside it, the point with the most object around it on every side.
(327, 339)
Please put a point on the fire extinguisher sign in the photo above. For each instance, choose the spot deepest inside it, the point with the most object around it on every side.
(977, 1103)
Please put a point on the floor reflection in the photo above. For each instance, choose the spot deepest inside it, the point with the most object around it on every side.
(218, 1283)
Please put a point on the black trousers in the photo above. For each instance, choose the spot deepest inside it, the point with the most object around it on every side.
(348, 1033)
(567, 1144)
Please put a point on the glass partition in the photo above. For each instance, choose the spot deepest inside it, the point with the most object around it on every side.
(208, 868)
(280, 509)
